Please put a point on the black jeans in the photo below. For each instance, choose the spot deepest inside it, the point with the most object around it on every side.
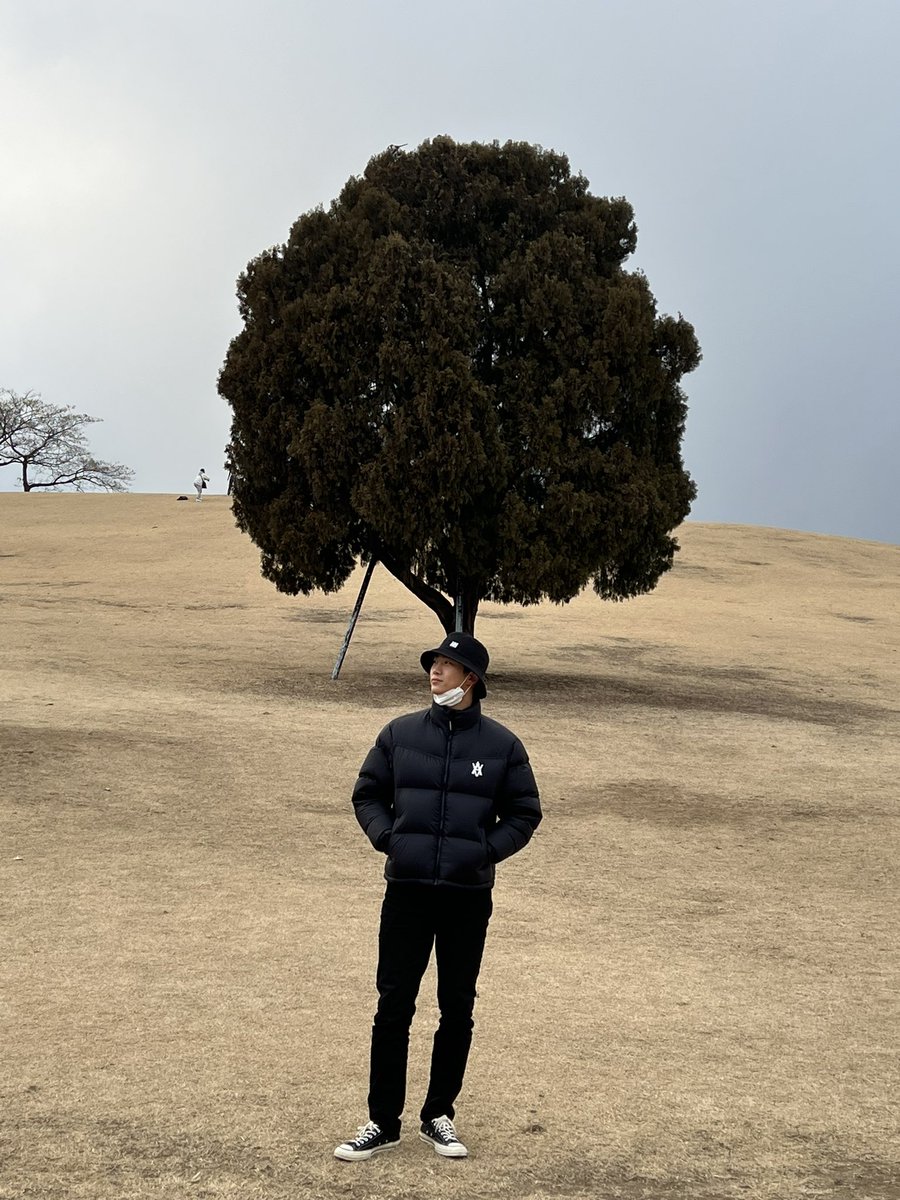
(415, 917)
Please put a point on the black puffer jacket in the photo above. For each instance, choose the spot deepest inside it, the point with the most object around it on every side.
(446, 795)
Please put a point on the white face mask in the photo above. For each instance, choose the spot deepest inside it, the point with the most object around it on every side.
(452, 698)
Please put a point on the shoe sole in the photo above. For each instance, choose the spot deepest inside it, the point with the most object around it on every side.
(457, 1151)
(360, 1155)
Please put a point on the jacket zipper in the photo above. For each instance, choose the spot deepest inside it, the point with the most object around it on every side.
(446, 780)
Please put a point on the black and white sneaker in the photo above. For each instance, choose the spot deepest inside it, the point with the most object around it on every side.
(442, 1135)
(368, 1141)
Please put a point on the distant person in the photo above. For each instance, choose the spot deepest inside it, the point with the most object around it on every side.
(200, 483)
(446, 793)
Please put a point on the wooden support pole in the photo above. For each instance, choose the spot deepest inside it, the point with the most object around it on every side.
(353, 619)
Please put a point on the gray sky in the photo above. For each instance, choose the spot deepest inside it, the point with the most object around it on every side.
(150, 148)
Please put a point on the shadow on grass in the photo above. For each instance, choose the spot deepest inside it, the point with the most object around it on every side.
(747, 692)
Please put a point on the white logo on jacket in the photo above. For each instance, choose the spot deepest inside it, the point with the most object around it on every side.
(477, 768)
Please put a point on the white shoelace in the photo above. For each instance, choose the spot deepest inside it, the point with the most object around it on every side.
(444, 1126)
(365, 1132)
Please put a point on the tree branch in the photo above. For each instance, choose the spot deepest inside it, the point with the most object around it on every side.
(436, 601)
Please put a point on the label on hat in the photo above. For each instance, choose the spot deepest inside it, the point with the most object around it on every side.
(454, 645)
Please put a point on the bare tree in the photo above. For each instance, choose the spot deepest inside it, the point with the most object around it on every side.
(48, 442)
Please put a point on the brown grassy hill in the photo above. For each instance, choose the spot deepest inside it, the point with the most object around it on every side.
(691, 982)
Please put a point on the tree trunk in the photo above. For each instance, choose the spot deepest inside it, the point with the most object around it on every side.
(469, 612)
(470, 599)
(442, 608)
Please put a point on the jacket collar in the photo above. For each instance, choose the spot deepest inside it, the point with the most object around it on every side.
(445, 717)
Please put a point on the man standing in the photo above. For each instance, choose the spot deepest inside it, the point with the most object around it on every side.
(446, 794)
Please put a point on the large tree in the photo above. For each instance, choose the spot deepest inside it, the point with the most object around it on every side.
(47, 442)
(451, 371)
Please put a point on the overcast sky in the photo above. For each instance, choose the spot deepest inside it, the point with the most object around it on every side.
(150, 148)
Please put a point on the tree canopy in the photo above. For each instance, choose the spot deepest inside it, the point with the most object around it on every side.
(450, 370)
(48, 443)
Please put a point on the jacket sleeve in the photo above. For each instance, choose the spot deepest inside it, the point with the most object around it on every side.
(373, 792)
(518, 807)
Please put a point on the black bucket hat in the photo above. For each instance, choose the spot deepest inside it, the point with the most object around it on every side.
(468, 652)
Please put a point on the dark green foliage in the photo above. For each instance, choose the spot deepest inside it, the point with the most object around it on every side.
(451, 371)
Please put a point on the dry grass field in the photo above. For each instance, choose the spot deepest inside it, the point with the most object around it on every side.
(691, 982)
